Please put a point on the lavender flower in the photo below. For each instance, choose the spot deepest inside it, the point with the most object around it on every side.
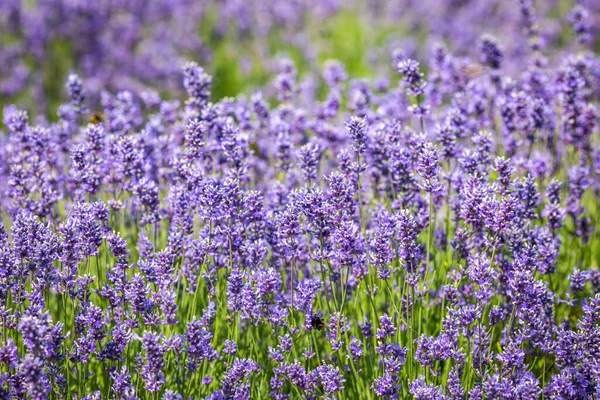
(309, 160)
(331, 378)
(198, 85)
(411, 75)
(490, 53)
(151, 368)
(428, 169)
(580, 17)
(75, 89)
(357, 130)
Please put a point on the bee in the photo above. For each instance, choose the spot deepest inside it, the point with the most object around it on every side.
(97, 118)
(317, 322)
(472, 70)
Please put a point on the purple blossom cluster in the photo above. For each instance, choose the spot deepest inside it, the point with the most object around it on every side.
(429, 237)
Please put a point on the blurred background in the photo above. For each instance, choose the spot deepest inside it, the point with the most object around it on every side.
(142, 44)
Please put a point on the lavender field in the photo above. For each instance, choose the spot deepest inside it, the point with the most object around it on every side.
(307, 199)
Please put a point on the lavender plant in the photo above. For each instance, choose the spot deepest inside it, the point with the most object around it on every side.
(430, 233)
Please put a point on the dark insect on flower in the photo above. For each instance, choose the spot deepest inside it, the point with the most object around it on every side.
(97, 118)
(317, 323)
